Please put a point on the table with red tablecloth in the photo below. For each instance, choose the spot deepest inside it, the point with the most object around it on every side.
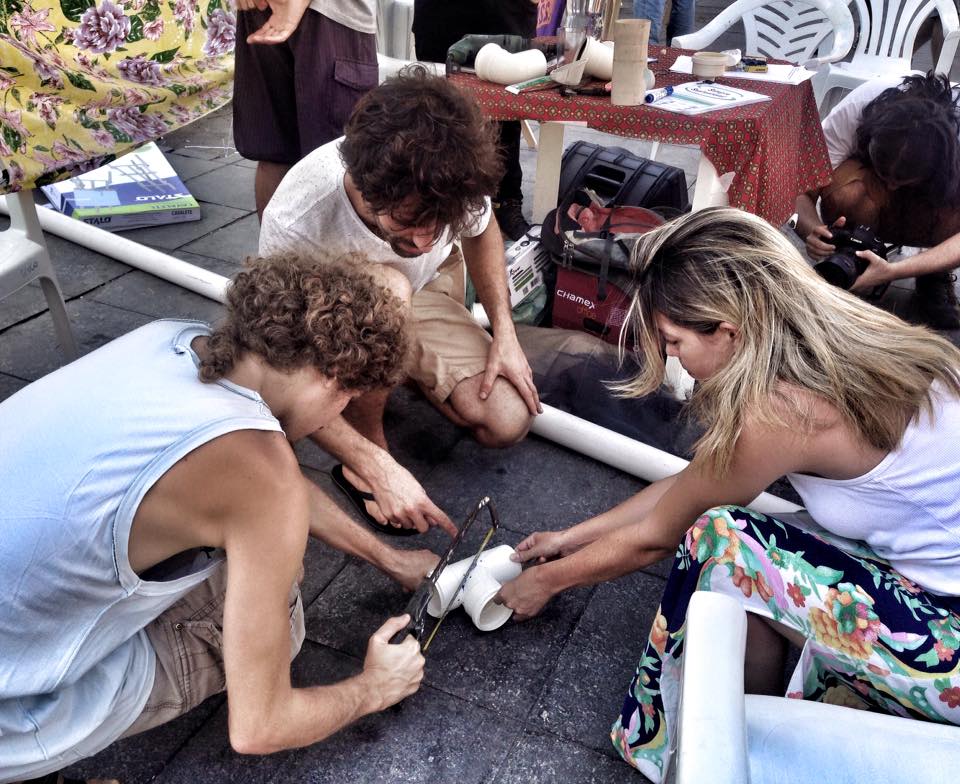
(775, 149)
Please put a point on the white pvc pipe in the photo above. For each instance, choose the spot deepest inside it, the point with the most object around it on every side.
(494, 567)
(633, 457)
(493, 63)
(598, 58)
(188, 276)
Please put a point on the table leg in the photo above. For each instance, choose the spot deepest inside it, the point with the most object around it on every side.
(547, 183)
(710, 190)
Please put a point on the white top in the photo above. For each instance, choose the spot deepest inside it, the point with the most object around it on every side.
(907, 509)
(79, 449)
(311, 212)
(359, 15)
(840, 126)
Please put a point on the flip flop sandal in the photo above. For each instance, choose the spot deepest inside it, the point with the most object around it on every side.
(358, 497)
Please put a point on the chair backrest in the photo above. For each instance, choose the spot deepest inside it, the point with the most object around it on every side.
(888, 28)
(789, 30)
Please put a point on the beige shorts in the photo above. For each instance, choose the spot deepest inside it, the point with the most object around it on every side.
(448, 345)
(188, 641)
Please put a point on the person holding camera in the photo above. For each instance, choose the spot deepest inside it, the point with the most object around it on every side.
(858, 409)
(895, 146)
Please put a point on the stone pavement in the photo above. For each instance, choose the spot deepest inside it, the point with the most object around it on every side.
(531, 702)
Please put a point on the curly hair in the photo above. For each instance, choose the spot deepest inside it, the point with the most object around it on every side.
(419, 150)
(325, 313)
(909, 133)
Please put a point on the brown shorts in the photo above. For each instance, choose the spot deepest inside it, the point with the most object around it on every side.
(448, 345)
(290, 98)
(188, 641)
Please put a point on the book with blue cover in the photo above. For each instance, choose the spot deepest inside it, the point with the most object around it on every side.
(136, 190)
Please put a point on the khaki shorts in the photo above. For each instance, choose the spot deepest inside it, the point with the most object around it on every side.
(188, 641)
(448, 345)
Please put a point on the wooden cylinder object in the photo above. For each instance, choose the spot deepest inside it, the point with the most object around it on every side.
(630, 37)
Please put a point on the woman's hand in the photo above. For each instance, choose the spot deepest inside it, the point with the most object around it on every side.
(818, 240)
(526, 594)
(544, 546)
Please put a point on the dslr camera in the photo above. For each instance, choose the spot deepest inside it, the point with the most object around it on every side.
(843, 266)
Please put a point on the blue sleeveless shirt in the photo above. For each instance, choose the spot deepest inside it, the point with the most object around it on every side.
(79, 449)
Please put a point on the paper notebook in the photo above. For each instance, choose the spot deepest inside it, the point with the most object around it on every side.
(779, 73)
(701, 97)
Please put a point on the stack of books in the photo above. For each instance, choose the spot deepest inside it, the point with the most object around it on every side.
(136, 190)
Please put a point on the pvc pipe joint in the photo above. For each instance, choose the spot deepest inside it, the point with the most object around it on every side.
(493, 569)
(493, 63)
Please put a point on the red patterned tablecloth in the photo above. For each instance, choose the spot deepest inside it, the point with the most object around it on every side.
(775, 148)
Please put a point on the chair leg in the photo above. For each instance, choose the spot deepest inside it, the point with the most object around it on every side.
(528, 136)
(61, 322)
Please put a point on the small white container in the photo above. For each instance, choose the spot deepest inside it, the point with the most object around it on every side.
(710, 65)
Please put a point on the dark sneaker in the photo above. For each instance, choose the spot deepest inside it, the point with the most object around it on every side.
(510, 218)
(937, 300)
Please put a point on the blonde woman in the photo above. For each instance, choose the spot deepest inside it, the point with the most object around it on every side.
(800, 379)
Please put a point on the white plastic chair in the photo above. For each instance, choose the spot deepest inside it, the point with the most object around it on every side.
(727, 737)
(792, 30)
(394, 22)
(888, 31)
(24, 258)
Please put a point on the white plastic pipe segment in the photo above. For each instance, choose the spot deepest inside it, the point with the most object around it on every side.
(619, 451)
(630, 61)
(597, 57)
(494, 568)
(495, 64)
(711, 700)
(188, 276)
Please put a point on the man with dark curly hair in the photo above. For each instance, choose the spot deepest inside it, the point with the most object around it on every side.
(412, 176)
(895, 148)
(154, 521)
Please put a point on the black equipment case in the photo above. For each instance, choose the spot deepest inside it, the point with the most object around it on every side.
(620, 177)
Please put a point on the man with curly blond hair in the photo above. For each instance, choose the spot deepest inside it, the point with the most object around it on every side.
(154, 521)
(410, 179)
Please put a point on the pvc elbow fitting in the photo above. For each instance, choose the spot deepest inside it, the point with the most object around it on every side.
(493, 568)
(495, 64)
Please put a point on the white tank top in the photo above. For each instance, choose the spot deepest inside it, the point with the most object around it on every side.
(907, 509)
(79, 449)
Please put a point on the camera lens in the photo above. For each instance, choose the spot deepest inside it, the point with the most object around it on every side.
(840, 269)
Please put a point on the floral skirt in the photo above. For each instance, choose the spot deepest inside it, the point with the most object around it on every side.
(874, 639)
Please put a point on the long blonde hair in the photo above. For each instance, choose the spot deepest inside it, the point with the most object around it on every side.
(796, 330)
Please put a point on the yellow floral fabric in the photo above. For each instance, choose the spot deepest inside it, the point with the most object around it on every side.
(82, 81)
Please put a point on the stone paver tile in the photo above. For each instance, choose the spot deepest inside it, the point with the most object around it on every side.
(538, 759)
(80, 269)
(144, 293)
(9, 385)
(226, 267)
(231, 186)
(321, 564)
(139, 759)
(29, 350)
(187, 168)
(175, 235)
(352, 607)
(533, 490)
(233, 243)
(431, 737)
(586, 689)
(21, 305)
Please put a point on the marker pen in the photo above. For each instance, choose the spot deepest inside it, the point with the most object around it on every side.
(656, 95)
